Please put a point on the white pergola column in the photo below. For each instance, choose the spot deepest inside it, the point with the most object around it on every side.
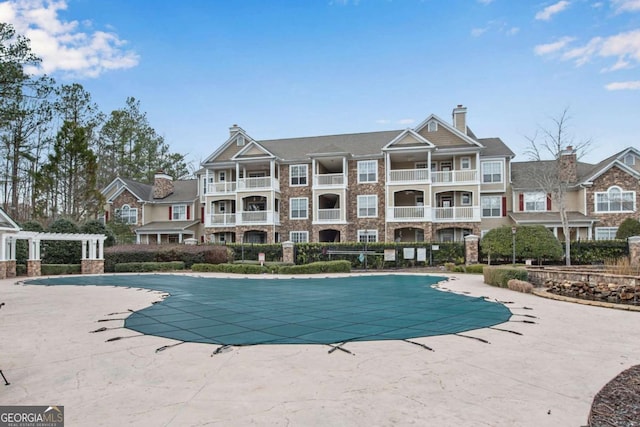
(4, 248)
(101, 249)
(84, 250)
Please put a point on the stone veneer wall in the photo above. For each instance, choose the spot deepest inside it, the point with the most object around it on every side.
(11, 266)
(34, 268)
(92, 266)
(356, 190)
(3, 270)
(286, 192)
(162, 186)
(614, 176)
(125, 198)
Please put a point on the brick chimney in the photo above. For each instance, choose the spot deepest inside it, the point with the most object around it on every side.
(460, 118)
(162, 185)
(568, 165)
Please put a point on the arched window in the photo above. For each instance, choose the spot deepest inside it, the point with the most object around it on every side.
(615, 199)
(127, 214)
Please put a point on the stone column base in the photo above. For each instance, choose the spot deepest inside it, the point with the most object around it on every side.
(92, 266)
(3, 270)
(11, 269)
(471, 249)
(34, 268)
(287, 252)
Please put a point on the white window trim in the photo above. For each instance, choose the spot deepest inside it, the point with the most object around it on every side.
(375, 171)
(629, 156)
(462, 161)
(240, 141)
(369, 234)
(609, 230)
(622, 192)
(300, 233)
(306, 200)
(306, 175)
(534, 197)
(432, 126)
(130, 214)
(173, 212)
(367, 197)
(482, 208)
(482, 164)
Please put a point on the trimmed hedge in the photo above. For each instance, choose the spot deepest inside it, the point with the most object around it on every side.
(57, 269)
(140, 267)
(212, 254)
(500, 276)
(315, 267)
(474, 268)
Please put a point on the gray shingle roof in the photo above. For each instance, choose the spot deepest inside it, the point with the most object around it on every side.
(183, 191)
(495, 147)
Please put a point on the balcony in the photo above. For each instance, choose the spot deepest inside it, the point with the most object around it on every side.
(408, 213)
(257, 218)
(221, 220)
(217, 188)
(329, 180)
(329, 215)
(454, 177)
(403, 176)
(456, 214)
(258, 183)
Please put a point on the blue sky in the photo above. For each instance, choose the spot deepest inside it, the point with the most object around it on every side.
(300, 68)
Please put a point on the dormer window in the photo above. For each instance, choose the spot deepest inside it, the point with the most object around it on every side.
(432, 126)
(240, 140)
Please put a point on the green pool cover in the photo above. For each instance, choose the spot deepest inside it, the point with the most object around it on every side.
(299, 311)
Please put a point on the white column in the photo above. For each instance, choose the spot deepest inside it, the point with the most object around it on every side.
(100, 249)
(32, 249)
(313, 173)
(180, 238)
(84, 249)
(206, 181)
(137, 238)
(158, 238)
(12, 248)
(555, 232)
(387, 167)
(272, 171)
(345, 171)
(590, 232)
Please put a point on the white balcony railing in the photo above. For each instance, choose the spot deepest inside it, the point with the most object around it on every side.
(222, 220)
(258, 183)
(458, 213)
(221, 188)
(408, 175)
(454, 177)
(257, 217)
(329, 180)
(329, 215)
(408, 213)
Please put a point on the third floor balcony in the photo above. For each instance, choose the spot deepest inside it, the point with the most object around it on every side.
(258, 184)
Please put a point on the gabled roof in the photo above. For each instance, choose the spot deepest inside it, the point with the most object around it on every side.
(232, 140)
(611, 161)
(462, 135)
(6, 223)
(253, 150)
(495, 147)
(139, 190)
(183, 190)
(408, 134)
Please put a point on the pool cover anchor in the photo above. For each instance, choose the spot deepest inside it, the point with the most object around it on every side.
(473, 338)
(4, 378)
(222, 349)
(426, 347)
(164, 347)
(505, 330)
(335, 347)
(121, 338)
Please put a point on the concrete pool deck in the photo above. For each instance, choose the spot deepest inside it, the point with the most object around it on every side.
(547, 376)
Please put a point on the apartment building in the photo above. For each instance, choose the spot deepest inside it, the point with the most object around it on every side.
(436, 182)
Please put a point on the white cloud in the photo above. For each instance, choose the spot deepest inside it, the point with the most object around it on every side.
(513, 31)
(477, 32)
(383, 121)
(623, 47)
(549, 48)
(66, 46)
(626, 5)
(546, 13)
(630, 85)
(406, 121)
(485, 2)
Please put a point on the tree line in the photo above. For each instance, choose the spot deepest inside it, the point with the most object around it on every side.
(57, 149)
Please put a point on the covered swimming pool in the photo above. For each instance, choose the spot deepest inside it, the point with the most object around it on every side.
(248, 311)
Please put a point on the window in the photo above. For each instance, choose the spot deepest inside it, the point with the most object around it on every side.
(465, 163)
(368, 171)
(367, 206)
(465, 199)
(221, 176)
(491, 206)
(491, 172)
(299, 236)
(127, 214)
(422, 165)
(298, 175)
(432, 126)
(535, 202)
(615, 200)
(606, 233)
(629, 159)
(368, 236)
(240, 140)
(299, 208)
(179, 212)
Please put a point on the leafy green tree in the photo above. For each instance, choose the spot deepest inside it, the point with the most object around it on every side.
(629, 227)
(532, 242)
(60, 251)
(97, 227)
(68, 180)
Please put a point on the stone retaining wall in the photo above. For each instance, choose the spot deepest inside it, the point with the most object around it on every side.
(588, 284)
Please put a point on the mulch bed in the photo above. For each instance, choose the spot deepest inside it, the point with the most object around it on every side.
(618, 403)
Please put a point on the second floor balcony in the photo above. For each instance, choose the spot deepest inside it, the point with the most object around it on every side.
(258, 183)
(431, 214)
(329, 180)
(455, 177)
(404, 176)
(219, 188)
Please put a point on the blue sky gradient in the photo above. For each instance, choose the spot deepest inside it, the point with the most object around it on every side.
(299, 68)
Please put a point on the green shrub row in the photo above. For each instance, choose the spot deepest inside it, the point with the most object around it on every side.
(500, 275)
(213, 254)
(597, 251)
(140, 267)
(57, 269)
(249, 251)
(243, 268)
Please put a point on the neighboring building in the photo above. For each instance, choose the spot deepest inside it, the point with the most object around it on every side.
(599, 196)
(166, 212)
(435, 182)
